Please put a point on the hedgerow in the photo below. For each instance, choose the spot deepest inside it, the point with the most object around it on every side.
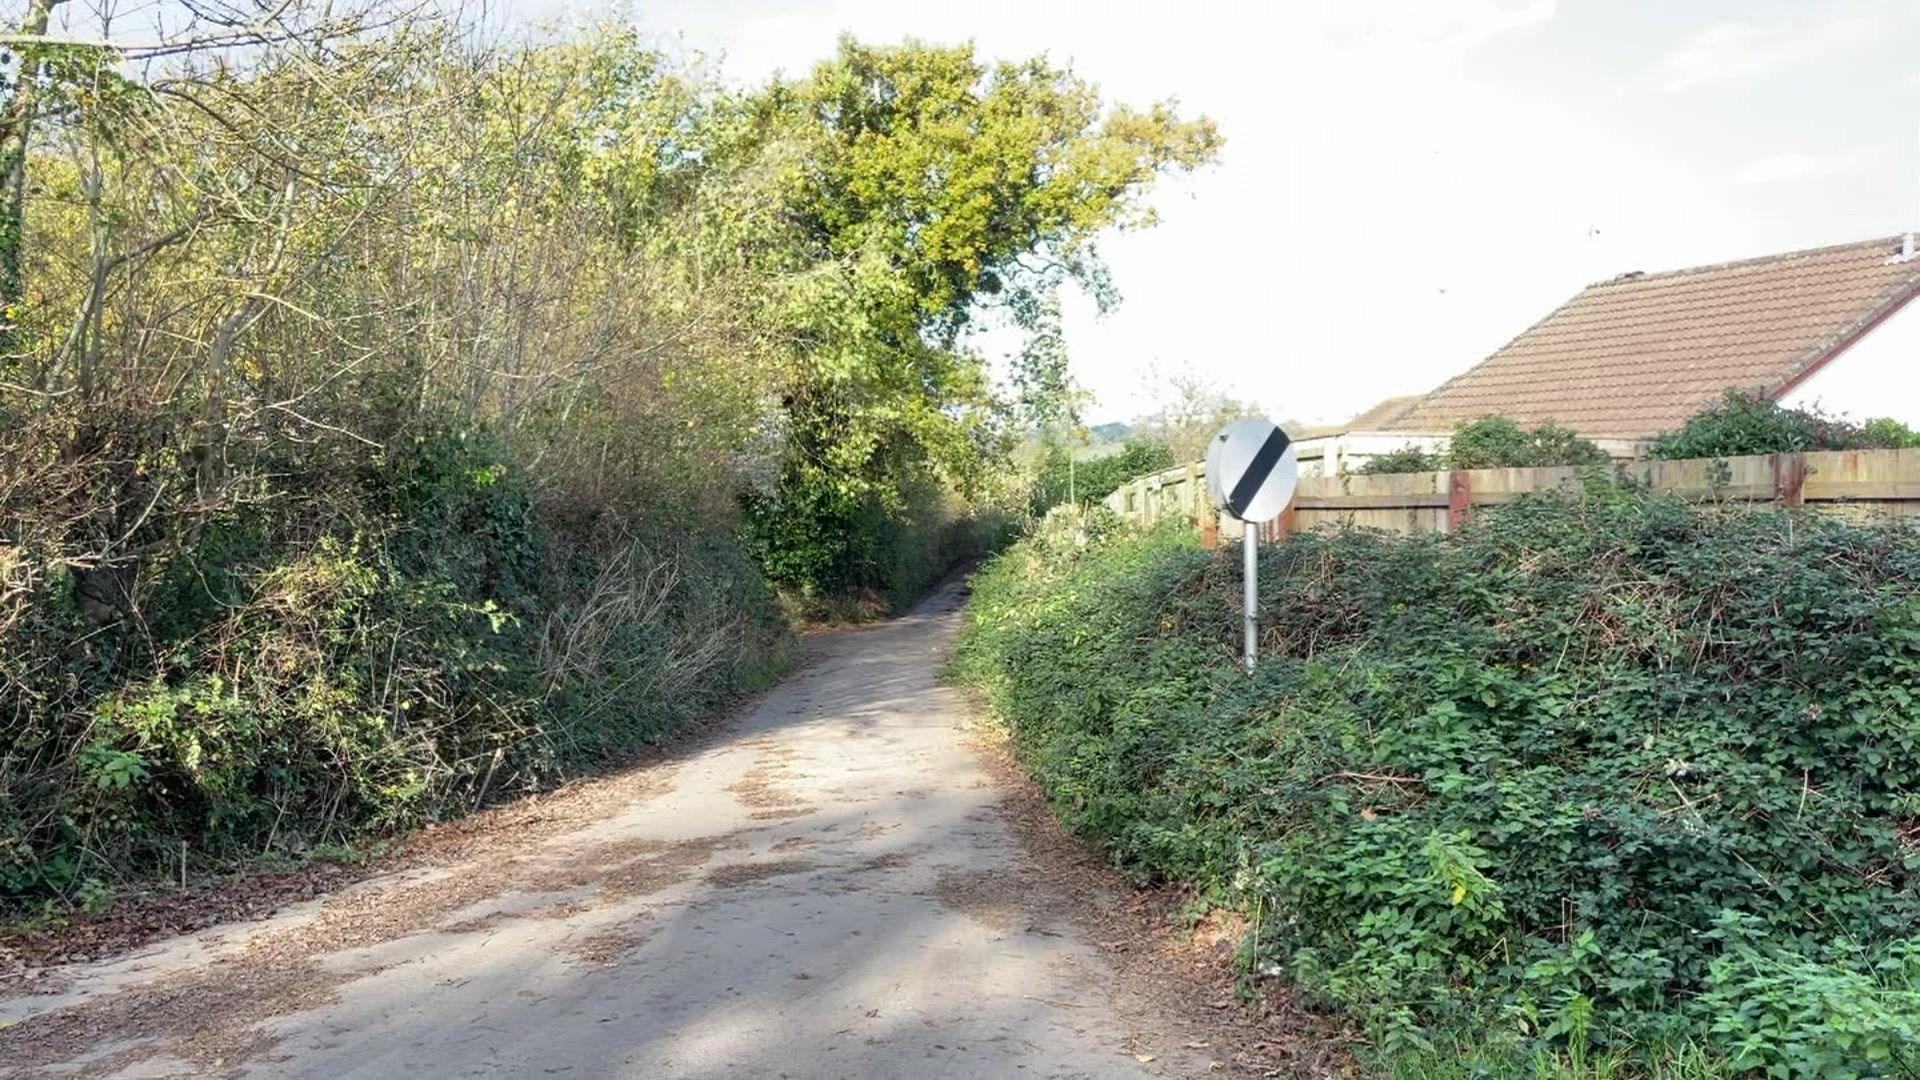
(1060, 479)
(1602, 771)
(376, 639)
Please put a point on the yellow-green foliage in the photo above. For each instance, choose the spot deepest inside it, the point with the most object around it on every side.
(904, 188)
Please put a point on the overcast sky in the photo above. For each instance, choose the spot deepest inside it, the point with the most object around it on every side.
(1406, 184)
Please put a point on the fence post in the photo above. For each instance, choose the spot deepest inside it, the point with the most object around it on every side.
(1459, 499)
(1283, 525)
(1789, 478)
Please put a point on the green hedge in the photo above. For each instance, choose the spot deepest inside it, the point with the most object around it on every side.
(368, 639)
(1601, 773)
(1061, 479)
(1493, 442)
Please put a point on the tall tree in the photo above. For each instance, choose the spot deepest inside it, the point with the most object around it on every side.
(78, 79)
(1047, 396)
(19, 101)
(1191, 410)
(912, 185)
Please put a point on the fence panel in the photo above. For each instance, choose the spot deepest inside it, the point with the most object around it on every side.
(1858, 483)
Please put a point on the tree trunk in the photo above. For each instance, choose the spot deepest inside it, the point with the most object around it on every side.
(16, 127)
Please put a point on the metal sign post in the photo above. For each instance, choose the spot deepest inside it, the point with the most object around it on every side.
(1252, 468)
(1250, 587)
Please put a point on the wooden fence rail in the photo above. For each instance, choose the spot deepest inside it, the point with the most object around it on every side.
(1857, 482)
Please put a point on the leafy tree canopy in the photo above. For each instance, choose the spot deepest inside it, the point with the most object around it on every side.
(894, 190)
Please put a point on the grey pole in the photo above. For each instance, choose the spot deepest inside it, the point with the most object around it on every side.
(1251, 549)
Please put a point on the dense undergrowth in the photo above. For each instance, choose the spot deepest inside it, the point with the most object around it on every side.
(1605, 782)
(380, 639)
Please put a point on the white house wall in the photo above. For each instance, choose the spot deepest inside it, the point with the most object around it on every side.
(1878, 376)
(1330, 455)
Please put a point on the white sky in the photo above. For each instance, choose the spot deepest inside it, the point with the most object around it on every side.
(1406, 184)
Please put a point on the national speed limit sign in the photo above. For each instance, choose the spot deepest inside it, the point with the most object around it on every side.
(1252, 468)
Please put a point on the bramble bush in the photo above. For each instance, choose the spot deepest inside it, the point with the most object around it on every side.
(1602, 774)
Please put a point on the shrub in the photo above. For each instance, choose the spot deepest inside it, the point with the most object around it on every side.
(1885, 433)
(1752, 423)
(1494, 442)
(1519, 781)
(1409, 458)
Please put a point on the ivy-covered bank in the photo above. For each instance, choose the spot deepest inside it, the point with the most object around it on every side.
(1605, 781)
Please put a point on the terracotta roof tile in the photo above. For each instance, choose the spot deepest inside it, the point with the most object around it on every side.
(1637, 355)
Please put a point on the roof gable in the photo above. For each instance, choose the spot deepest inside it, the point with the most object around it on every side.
(1637, 355)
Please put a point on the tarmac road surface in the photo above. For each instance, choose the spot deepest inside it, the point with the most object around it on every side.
(826, 887)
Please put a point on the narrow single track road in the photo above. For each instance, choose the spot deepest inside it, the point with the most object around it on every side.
(829, 885)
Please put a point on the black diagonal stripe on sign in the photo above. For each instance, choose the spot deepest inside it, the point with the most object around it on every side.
(1263, 462)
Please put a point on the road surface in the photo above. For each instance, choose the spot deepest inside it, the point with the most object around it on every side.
(827, 887)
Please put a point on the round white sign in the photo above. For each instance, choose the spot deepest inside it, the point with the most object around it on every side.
(1251, 470)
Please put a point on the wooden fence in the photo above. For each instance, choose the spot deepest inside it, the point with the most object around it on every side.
(1858, 482)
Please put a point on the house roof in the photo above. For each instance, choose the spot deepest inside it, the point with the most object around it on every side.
(1637, 355)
